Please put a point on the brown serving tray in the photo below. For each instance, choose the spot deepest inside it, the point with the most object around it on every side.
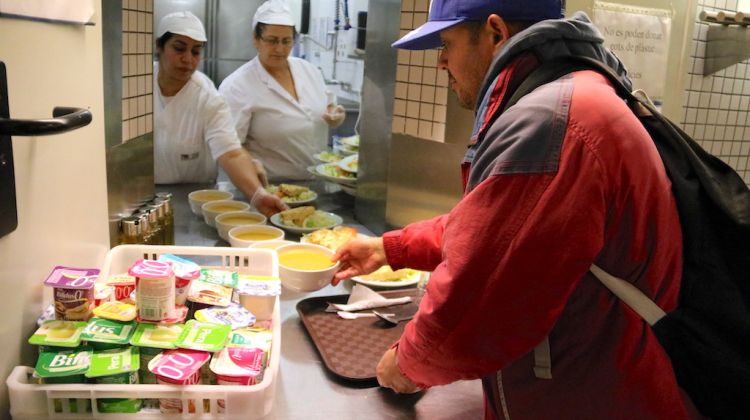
(350, 348)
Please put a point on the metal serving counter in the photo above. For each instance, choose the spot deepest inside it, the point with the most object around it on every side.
(306, 390)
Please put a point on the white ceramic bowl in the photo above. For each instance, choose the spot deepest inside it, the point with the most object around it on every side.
(197, 198)
(211, 209)
(272, 245)
(302, 280)
(228, 220)
(238, 235)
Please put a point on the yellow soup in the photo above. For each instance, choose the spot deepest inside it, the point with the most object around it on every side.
(240, 220)
(210, 196)
(255, 236)
(222, 208)
(305, 260)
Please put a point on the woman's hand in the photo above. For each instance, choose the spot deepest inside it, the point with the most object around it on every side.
(335, 116)
(359, 256)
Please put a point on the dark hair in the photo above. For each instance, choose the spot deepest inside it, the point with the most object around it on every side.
(475, 27)
(260, 27)
(162, 40)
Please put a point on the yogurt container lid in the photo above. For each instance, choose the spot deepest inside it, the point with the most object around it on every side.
(121, 279)
(209, 293)
(221, 277)
(58, 333)
(72, 278)
(47, 315)
(116, 310)
(114, 362)
(259, 285)
(183, 268)
(178, 364)
(68, 362)
(233, 315)
(203, 336)
(151, 269)
(251, 337)
(162, 336)
(101, 330)
(102, 291)
(238, 361)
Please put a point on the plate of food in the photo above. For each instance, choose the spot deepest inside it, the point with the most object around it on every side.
(351, 141)
(331, 172)
(331, 238)
(328, 157)
(345, 150)
(305, 219)
(293, 195)
(349, 163)
(386, 277)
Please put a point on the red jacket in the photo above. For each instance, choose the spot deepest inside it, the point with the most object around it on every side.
(565, 178)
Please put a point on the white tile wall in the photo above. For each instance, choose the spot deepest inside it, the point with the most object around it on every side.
(419, 82)
(137, 68)
(717, 106)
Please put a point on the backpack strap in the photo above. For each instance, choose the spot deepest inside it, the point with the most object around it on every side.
(631, 295)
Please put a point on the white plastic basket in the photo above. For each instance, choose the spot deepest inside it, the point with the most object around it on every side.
(29, 400)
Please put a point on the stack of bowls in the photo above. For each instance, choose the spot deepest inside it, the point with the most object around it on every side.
(198, 198)
(212, 209)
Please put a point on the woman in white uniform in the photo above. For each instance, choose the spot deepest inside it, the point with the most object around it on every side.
(193, 128)
(279, 103)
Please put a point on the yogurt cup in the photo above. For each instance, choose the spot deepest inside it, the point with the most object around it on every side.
(73, 292)
(258, 294)
(155, 289)
(58, 334)
(118, 366)
(123, 285)
(178, 367)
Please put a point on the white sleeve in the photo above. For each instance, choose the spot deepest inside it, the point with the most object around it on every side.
(219, 129)
(239, 107)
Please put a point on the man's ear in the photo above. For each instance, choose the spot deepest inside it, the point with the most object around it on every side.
(499, 29)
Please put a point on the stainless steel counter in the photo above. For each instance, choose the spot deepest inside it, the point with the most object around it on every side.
(305, 389)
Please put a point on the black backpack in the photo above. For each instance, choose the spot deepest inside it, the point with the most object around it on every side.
(707, 336)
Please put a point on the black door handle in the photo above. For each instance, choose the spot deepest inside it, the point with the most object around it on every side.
(64, 119)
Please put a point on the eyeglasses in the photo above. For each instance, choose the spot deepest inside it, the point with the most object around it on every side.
(273, 41)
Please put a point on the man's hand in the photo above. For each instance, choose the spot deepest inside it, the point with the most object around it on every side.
(335, 116)
(267, 203)
(359, 256)
(390, 376)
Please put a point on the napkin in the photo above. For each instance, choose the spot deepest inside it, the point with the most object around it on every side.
(363, 297)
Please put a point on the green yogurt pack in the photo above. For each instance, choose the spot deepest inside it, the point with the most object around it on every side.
(117, 366)
(58, 333)
(203, 336)
(100, 330)
(63, 366)
(161, 336)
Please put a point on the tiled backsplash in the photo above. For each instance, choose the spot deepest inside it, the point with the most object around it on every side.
(137, 68)
(421, 98)
(717, 106)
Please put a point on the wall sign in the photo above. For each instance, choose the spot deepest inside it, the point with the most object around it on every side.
(639, 36)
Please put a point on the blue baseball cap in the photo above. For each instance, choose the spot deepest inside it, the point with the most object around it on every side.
(447, 13)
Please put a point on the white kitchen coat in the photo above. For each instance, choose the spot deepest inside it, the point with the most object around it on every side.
(281, 132)
(191, 130)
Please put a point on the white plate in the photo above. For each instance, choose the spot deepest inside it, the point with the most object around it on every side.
(318, 171)
(327, 159)
(300, 202)
(409, 281)
(346, 163)
(352, 141)
(276, 220)
(345, 150)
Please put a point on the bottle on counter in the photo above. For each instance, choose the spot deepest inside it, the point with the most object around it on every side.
(168, 226)
(132, 230)
(148, 233)
(158, 209)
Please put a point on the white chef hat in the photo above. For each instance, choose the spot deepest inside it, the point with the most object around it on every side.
(182, 23)
(273, 12)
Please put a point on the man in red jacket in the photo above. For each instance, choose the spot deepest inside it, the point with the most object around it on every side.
(565, 178)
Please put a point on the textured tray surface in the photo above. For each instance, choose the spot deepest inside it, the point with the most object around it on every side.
(350, 349)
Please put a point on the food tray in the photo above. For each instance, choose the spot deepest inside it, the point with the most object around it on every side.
(350, 348)
(29, 400)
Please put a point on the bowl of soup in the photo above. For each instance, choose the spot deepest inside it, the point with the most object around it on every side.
(244, 236)
(212, 209)
(305, 267)
(272, 245)
(198, 198)
(226, 221)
